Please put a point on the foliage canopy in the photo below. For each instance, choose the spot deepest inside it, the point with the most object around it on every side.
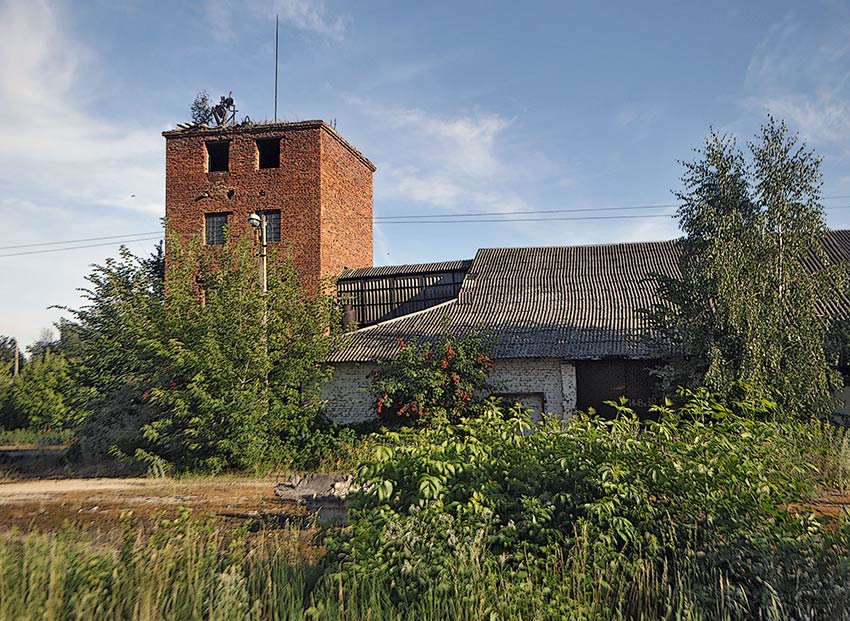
(747, 306)
(208, 373)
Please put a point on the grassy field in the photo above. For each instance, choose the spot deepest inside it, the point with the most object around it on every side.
(688, 518)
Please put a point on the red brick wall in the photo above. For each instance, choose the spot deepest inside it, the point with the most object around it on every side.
(319, 180)
(346, 209)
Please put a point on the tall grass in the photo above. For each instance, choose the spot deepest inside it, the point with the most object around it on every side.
(182, 570)
(188, 570)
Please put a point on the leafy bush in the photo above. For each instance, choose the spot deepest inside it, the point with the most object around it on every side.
(625, 496)
(444, 377)
(211, 374)
(45, 395)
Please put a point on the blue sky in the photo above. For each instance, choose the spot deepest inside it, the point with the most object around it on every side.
(464, 107)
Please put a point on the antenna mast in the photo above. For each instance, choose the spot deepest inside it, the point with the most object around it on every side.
(276, 30)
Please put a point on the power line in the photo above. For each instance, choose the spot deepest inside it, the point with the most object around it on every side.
(543, 211)
(77, 241)
(504, 217)
(112, 243)
(535, 211)
(648, 215)
(507, 218)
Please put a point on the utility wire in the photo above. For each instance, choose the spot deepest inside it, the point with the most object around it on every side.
(112, 243)
(507, 218)
(535, 211)
(401, 219)
(540, 211)
(648, 215)
(77, 241)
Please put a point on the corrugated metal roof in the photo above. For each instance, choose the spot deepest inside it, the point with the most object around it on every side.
(404, 270)
(575, 302)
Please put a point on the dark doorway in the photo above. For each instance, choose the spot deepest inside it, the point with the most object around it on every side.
(598, 381)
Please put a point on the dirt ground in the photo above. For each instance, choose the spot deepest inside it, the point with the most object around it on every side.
(39, 492)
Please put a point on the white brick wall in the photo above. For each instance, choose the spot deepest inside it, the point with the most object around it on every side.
(348, 400)
(347, 394)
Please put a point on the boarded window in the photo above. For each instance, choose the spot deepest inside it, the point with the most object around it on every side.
(214, 227)
(218, 156)
(272, 225)
(268, 152)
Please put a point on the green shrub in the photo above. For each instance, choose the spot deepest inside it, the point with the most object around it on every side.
(427, 379)
(633, 500)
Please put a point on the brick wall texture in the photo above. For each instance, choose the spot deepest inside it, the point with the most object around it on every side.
(323, 189)
(347, 398)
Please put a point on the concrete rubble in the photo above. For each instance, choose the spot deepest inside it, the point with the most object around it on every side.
(322, 494)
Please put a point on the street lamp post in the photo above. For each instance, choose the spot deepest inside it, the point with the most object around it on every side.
(259, 222)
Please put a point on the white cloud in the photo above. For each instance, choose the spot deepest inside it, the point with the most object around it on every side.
(447, 161)
(65, 172)
(803, 76)
(822, 118)
(53, 146)
(308, 15)
(466, 143)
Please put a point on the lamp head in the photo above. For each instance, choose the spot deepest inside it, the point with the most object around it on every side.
(254, 220)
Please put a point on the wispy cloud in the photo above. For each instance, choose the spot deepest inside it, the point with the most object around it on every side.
(446, 161)
(307, 15)
(54, 147)
(65, 171)
(803, 76)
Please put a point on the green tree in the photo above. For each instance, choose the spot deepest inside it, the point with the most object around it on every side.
(201, 109)
(8, 344)
(43, 344)
(211, 373)
(45, 396)
(747, 307)
(237, 376)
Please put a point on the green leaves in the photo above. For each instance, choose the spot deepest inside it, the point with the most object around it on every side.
(211, 374)
(430, 380)
(747, 309)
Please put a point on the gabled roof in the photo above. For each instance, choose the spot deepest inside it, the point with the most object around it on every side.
(574, 302)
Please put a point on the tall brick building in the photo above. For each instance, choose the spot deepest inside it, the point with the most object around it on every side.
(314, 188)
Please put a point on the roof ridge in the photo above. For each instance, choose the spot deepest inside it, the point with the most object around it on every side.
(599, 245)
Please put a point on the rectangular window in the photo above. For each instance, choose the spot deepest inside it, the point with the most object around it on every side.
(214, 224)
(272, 225)
(268, 152)
(218, 156)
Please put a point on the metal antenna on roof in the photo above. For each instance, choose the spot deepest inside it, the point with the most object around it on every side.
(276, 31)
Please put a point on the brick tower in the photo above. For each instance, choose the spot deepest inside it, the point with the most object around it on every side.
(314, 188)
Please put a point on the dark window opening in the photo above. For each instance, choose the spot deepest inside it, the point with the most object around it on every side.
(218, 156)
(269, 152)
(272, 225)
(214, 227)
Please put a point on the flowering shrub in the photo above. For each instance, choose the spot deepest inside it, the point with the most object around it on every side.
(444, 377)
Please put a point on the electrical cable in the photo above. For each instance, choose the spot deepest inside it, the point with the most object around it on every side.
(112, 243)
(77, 241)
(504, 217)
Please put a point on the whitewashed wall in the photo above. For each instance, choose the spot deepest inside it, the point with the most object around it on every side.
(348, 400)
(347, 395)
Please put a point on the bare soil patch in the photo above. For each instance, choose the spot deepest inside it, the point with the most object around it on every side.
(101, 503)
